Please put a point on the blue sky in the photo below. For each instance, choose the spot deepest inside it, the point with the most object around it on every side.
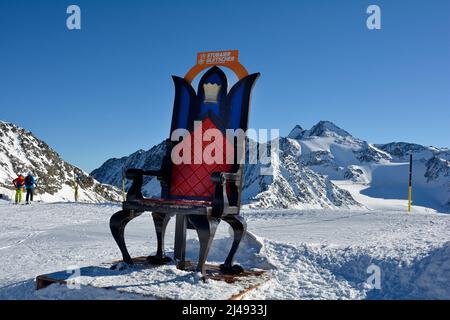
(105, 90)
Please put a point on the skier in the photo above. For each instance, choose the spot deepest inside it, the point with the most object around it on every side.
(30, 184)
(19, 183)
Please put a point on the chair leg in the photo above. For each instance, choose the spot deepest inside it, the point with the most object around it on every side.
(117, 224)
(161, 220)
(239, 227)
(180, 241)
(206, 229)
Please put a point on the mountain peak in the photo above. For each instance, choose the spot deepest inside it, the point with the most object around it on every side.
(296, 132)
(321, 129)
(325, 129)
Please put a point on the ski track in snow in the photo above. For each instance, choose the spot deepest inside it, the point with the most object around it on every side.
(313, 254)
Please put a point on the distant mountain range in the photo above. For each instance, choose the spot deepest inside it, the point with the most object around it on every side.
(323, 167)
(21, 152)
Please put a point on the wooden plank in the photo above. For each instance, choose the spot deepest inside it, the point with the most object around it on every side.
(240, 295)
(248, 280)
(43, 281)
(213, 272)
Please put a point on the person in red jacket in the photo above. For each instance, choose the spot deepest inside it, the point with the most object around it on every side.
(19, 184)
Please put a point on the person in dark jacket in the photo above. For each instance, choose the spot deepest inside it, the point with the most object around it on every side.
(30, 184)
(19, 183)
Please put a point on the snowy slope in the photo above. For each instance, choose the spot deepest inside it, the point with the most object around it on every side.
(21, 152)
(374, 173)
(313, 254)
(292, 185)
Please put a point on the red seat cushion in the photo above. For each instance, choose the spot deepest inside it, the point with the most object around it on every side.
(193, 180)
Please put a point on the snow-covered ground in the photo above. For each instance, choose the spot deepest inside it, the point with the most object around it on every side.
(311, 254)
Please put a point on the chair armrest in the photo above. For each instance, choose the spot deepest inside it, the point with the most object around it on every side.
(135, 192)
(137, 175)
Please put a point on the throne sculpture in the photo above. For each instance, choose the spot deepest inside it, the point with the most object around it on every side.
(201, 192)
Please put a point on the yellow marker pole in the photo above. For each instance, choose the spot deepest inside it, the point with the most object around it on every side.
(76, 191)
(410, 184)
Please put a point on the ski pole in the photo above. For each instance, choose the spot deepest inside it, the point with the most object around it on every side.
(410, 183)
